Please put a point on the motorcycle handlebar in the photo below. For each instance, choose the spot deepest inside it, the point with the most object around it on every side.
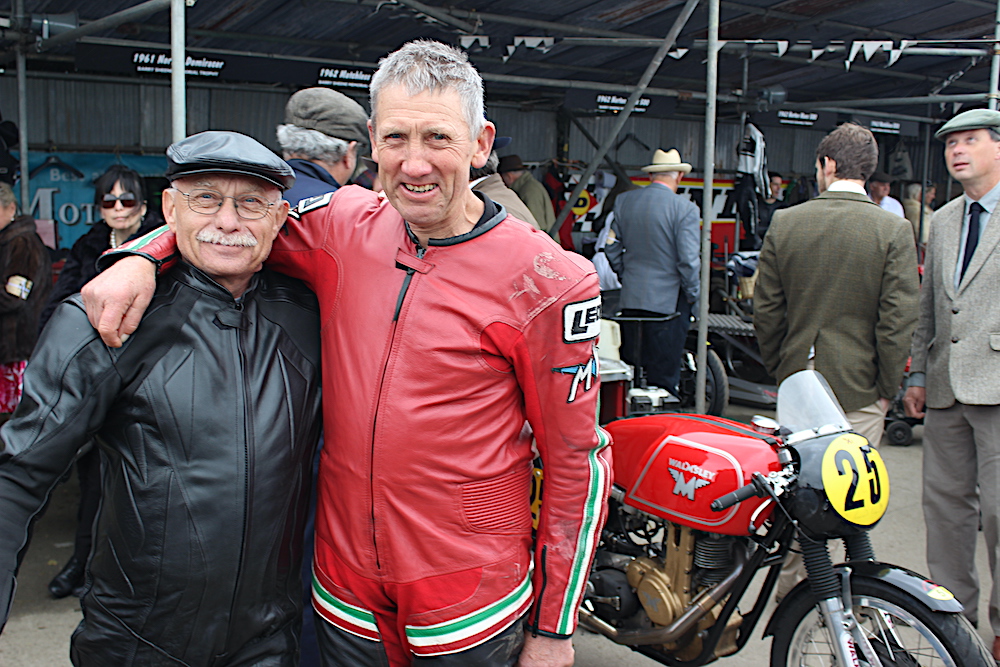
(737, 496)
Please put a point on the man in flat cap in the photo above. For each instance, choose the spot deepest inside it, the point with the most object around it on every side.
(837, 291)
(654, 248)
(206, 418)
(956, 366)
(324, 135)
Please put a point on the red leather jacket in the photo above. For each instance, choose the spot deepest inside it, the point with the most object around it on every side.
(433, 361)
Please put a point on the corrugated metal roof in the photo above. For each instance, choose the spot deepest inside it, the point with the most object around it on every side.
(363, 30)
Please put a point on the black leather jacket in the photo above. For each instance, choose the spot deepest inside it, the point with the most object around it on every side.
(207, 418)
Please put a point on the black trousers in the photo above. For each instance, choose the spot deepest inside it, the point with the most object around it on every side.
(662, 344)
(342, 649)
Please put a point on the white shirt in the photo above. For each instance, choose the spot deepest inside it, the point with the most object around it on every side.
(892, 205)
(847, 186)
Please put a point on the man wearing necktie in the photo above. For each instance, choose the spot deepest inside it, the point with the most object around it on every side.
(955, 383)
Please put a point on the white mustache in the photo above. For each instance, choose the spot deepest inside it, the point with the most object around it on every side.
(245, 239)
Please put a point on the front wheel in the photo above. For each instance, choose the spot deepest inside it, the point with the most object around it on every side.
(901, 630)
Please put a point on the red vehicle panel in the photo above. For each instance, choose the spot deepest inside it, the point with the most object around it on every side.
(674, 465)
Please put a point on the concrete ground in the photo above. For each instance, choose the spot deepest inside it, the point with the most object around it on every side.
(39, 629)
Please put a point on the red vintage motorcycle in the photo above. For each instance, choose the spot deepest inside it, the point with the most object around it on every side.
(702, 504)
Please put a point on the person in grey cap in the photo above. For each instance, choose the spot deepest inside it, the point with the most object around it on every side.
(206, 418)
(324, 135)
(956, 365)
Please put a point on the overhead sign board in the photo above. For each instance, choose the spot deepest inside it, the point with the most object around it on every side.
(594, 101)
(816, 120)
(151, 61)
(906, 128)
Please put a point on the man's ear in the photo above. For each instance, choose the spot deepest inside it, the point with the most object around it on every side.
(169, 208)
(281, 214)
(371, 138)
(830, 167)
(484, 145)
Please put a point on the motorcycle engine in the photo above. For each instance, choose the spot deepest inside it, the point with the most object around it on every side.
(648, 570)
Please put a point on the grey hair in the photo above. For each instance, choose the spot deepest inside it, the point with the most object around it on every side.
(426, 65)
(913, 191)
(994, 133)
(7, 196)
(488, 169)
(298, 141)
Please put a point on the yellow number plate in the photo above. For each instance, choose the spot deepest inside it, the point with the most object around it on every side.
(855, 480)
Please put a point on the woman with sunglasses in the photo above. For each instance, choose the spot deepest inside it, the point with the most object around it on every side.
(118, 195)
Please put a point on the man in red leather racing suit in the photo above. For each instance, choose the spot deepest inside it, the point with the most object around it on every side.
(448, 327)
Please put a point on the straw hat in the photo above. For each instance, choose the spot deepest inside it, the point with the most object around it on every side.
(667, 161)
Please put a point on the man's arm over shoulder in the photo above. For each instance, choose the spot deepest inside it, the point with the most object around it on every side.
(769, 301)
(897, 311)
(117, 298)
(556, 366)
(69, 386)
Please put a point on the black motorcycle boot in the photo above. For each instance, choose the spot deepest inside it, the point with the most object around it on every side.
(69, 578)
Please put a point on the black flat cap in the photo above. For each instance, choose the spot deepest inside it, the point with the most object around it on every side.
(227, 153)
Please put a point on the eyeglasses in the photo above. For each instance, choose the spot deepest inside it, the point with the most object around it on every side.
(208, 202)
(127, 199)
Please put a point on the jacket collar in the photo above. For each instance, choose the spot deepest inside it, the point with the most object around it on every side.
(195, 278)
(841, 194)
(485, 224)
(307, 168)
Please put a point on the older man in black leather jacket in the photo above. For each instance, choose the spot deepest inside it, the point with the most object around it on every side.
(207, 419)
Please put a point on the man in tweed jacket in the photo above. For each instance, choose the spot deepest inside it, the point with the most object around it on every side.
(837, 285)
(837, 290)
(956, 354)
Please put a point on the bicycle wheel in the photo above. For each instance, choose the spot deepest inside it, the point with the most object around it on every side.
(902, 631)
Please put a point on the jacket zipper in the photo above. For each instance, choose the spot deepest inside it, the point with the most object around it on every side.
(392, 339)
(247, 456)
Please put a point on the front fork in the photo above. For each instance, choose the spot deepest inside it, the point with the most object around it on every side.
(835, 599)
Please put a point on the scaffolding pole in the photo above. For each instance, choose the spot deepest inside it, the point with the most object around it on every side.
(22, 107)
(647, 76)
(707, 208)
(995, 68)
(178, 94)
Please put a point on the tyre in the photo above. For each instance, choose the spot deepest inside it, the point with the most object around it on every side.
(899, 433)
(902, 631)
(716, 384)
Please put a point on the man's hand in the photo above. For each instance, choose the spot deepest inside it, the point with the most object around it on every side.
(116, 299)
(913, 402)
(546, 652)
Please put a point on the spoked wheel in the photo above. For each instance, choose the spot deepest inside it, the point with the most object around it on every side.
(902, 631)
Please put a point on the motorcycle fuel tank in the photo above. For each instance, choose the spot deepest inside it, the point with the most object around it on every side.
(674, 465)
